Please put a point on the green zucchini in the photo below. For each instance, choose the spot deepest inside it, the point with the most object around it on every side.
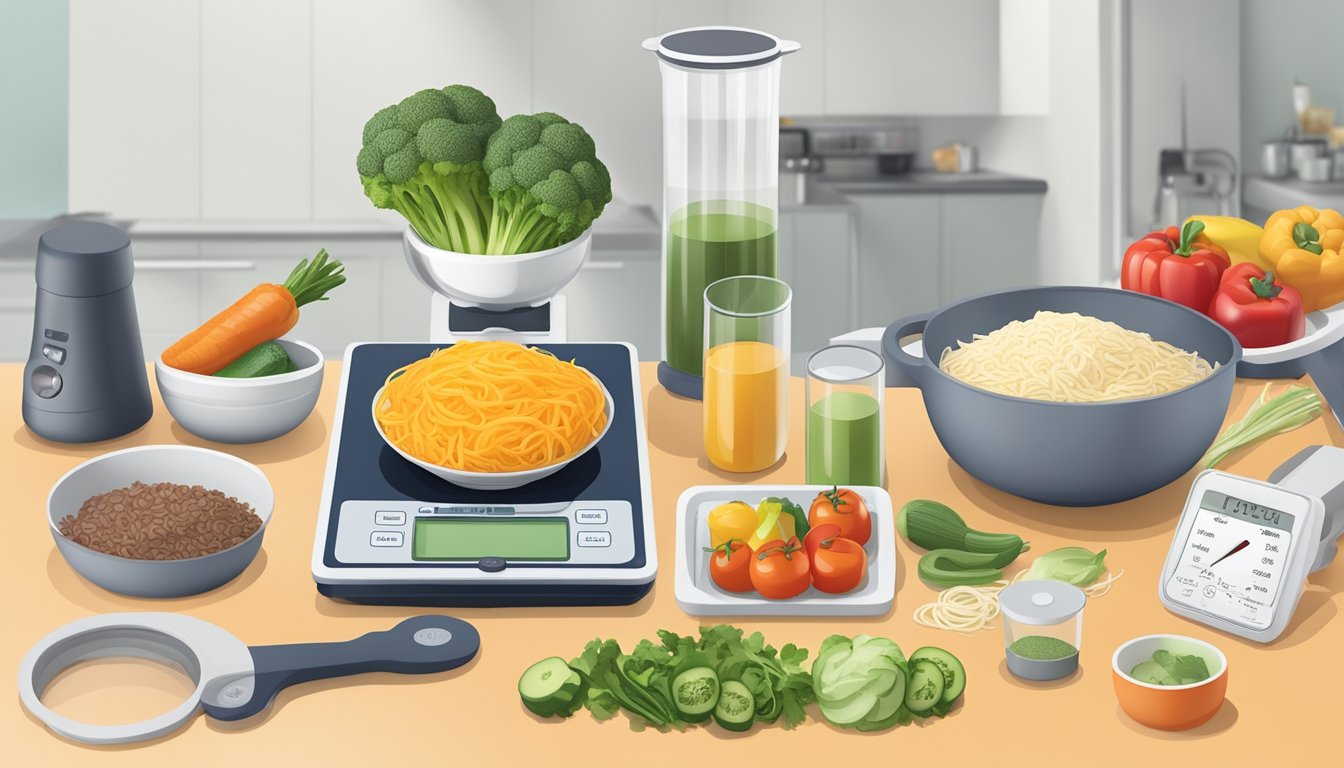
(945, 568)
(695, 691)
(932, 525)
(266, 359)
(549, 688)
(736, 707)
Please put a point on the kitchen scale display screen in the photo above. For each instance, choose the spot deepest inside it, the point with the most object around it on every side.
(459, 538)
(1234, 560)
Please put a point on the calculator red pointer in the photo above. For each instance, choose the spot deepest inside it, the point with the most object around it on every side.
(1244, 544)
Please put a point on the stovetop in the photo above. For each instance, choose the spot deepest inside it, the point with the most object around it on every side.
(368, 469)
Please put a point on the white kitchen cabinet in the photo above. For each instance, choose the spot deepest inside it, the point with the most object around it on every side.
(899, 241)
(617, 297)
(817, 259)
(989, 242)
(168, 276)
(918, 252)
(911, 57)
(802, 76)
(135, 117)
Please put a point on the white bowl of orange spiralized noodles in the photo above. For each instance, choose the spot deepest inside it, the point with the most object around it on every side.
(492, 415)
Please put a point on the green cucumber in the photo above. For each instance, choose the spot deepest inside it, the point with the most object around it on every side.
(266, 359)
(695, 691)
(549, 688)
(945, 568)
(736, 707)
(926, 687)
(932, 525)
(954, 674)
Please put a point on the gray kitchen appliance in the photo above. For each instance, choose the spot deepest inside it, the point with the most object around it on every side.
(85, 377)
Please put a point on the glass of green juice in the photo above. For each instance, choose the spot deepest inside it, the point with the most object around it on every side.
(844, 416)
(707, 241)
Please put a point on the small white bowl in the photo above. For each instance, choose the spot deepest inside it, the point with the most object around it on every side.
(182, 464)
(228, 410)
(496, 282)
(493, 481)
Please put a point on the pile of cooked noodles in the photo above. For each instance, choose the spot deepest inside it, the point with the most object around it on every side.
(491, 406)
(1073, 358)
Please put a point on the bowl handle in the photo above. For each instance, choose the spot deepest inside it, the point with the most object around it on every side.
(909, 370)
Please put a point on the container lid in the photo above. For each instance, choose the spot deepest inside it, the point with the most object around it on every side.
(719, 47)
(84, 258)
(1041, 602)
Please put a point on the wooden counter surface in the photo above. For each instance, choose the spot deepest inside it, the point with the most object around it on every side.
(1283, 696)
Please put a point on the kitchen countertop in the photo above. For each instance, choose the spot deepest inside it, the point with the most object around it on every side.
(1267, 194)
(923, 182)
(473, 715)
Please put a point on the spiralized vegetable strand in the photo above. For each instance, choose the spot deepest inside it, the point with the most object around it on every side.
(970, 609)
(491, 406)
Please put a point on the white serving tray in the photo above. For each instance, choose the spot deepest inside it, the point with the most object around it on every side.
(698, 595)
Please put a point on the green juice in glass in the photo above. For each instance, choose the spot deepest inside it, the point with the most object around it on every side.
(844, 440)
(708, 241)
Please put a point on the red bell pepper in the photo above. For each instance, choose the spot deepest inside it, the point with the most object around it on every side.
(1257, 310)
(1172, 266)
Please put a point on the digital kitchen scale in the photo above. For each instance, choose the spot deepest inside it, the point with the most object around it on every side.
(388, 532)
(1243, 548)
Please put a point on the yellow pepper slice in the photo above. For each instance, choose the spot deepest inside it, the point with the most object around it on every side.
(1304, 248)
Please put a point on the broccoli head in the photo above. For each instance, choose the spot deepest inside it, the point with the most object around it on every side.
(424, 158)
(546, 183)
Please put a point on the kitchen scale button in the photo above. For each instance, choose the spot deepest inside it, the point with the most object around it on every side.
(492, 564)
(387, 539)
(389, 517)
(591, 516)
(594, 538)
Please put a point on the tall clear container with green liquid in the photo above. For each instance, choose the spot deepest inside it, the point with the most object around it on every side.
(720, 178)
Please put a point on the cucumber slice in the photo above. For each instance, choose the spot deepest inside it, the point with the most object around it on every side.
(954, 674)
(736, 708)
(695, 691)
(550, 687)
(926, 687)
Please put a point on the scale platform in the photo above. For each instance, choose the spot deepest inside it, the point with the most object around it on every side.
(390, 533)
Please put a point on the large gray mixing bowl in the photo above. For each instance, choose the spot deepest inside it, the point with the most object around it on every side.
(1071, 454)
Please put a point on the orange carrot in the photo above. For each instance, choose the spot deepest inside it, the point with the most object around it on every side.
(266, 312)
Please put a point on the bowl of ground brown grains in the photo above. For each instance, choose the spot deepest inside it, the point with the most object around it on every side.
(160, 520)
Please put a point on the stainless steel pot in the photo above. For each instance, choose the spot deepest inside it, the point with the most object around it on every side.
(1072, 454)
(1275, 161)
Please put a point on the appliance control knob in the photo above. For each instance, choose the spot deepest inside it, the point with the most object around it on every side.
(45, 381)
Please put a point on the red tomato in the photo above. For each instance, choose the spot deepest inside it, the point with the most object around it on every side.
(845, 508)
(838, 564)
(730, 565)
(780, 570)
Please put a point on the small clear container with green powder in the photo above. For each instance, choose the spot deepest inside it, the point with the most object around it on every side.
(844, 416)
(1042, 628)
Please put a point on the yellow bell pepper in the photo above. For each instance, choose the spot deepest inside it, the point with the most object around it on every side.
(1304, 248)
(1239, 237)
(734, 520)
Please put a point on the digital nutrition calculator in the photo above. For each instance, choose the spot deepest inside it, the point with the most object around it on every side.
(389, 532)
(1243, 548)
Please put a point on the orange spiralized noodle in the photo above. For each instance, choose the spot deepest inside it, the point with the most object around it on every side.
(491, 406)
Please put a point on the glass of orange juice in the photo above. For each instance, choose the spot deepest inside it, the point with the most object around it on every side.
(746, 394)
